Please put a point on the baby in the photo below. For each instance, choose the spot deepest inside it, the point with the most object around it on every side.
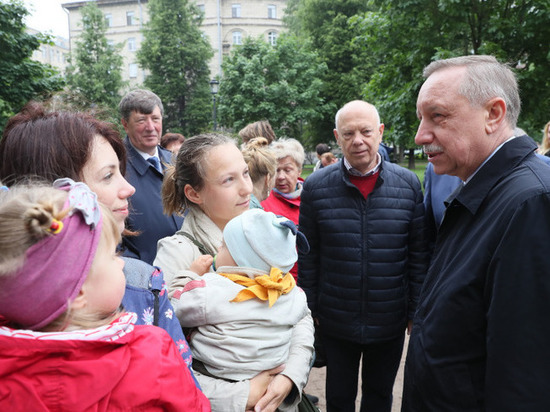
(244, 311)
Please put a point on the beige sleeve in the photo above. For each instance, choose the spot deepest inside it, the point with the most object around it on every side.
(175, 254)
(299, 359)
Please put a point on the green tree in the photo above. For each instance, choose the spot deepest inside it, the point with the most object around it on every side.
(325, 24)
(176, 53)
(96, 67)
(400, 38)
(279, 83)
(21, 79)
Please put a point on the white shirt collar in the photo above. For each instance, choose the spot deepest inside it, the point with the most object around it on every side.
(486, 160)
(354, 172)
(146, 155)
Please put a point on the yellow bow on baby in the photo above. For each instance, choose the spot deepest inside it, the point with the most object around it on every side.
(265, 287)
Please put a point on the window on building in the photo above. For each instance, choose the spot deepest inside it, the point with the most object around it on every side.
(237, 37)
(129, 18)
(132, 70)
(235, 10)
(201, 8)
(131, 44)
(272, 38)
(271, 11)
(109, 20)
(44, 52)
(110, 43)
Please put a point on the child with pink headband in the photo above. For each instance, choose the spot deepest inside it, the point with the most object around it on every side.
(65, 343)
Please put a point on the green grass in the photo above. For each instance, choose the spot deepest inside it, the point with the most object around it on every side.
(306, 171)
(419, 167)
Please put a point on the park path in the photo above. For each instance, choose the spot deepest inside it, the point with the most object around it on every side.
(316, 385)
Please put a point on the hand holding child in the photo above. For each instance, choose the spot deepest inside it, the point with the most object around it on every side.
(259, 385)
(201, 265)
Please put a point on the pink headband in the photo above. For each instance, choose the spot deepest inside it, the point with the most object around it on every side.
(56, 267)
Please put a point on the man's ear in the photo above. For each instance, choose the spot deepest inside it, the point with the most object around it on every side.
(124, 124)
(192, 194)
(335, 131)
(495, 114)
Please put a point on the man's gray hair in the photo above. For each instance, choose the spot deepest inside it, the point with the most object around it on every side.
(485, 78)
(337, 117)
(141, 101)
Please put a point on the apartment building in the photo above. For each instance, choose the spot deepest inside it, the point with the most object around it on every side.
(226, 23)
(56, 55)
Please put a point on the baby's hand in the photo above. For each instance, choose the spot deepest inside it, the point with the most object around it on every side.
(201, 265)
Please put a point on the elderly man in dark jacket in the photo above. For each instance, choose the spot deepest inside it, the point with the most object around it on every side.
(364, 220)
(480, 339)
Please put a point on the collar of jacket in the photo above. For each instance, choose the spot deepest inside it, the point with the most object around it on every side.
(139, 163)
(504, 161)
(346, 175)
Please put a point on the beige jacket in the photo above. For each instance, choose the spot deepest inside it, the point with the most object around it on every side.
(174, 256)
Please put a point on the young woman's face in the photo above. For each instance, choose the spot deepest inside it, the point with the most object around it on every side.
(102, 174)
(105, 284)
(227, 185)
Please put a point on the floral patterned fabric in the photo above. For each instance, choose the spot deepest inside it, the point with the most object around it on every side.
(142, 302)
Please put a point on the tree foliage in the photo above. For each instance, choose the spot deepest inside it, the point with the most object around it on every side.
(21, 79)
(325, 24)
(279, 83)
(400, 38)
(377, 49)
(95, 72)
(176, 53)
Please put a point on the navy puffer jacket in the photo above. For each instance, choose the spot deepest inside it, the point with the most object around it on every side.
(368, 257)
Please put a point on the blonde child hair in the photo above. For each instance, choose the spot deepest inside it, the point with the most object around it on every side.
(32, 216)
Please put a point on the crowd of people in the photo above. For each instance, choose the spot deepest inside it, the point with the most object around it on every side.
(159, 272)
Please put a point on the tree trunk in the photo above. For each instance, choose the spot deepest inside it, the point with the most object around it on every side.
(411, 159)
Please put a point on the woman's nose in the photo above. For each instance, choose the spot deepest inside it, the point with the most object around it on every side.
(126, 190)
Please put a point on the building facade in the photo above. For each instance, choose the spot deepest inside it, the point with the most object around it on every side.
(56, 54)
(124, 19)
(226, 23)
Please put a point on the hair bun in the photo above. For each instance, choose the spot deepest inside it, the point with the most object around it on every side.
(257, 142)
(39, 219)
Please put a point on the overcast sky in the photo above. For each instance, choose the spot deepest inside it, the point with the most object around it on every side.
(48, 16)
